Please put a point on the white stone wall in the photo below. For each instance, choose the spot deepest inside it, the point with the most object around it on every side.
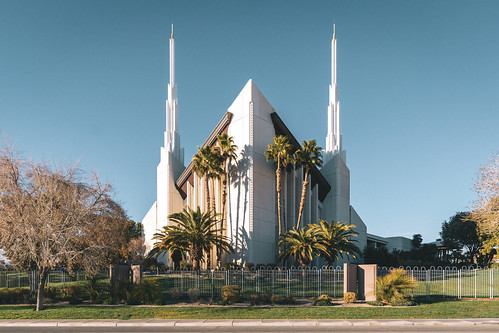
(251, 213)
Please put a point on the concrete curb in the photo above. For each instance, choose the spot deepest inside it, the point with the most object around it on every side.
(248, 323)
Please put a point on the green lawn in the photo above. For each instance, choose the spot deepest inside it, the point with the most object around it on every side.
(436, 310)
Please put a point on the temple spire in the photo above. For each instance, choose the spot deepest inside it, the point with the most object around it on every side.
(333, 139)
(172, 137)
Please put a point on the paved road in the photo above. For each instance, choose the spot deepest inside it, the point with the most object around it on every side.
(241, 326)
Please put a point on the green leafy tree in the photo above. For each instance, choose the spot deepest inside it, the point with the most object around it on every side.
(417, 240)
(336, 240)
(486, 208)
(460, 233)
(280, 152)
(379, 255)
(307, 156)
(196, 231)
(302, 244)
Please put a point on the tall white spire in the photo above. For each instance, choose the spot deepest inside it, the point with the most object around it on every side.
(333, 139)
(172, 137)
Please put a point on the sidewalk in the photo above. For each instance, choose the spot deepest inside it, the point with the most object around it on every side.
(492, 322)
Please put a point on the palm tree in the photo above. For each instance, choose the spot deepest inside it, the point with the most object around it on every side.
(280, 153)
(226, 149)
(175, 247)
(207, 164)
(201, 167)
(307, 156)
(336, 240)
(214, 162)
(196, 231)
(301, 243)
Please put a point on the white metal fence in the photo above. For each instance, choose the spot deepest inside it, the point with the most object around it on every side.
(29, 279)
(440, 282)
(271, 281)
(468, 282)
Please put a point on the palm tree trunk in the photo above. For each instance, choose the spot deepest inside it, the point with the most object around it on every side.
(278, 188)
(207, 186)
(284, 223)
(224, 197)
(224, 201)
(303, 197)
(213, 196)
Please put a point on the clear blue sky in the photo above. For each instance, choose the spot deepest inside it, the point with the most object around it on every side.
(418, 80)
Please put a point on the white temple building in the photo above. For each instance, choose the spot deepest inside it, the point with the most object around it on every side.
(252, 221)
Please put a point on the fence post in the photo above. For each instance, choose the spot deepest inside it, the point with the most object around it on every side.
(303, 277)
(412, 289)
(242, 280)
(273, 282)
(443, 283)
(475, 283)
(320, 282)
(428, 275)
(288, 283)
(459, 284)
(257, 272)
(491, 272)
(212, 285)
(181, 281)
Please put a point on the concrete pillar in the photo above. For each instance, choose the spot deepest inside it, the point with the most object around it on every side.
(349, 278)
(136, 274)
(366, 275)
(119, 273)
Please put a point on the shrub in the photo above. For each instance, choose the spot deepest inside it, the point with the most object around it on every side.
(111, 301)
(323, 300)
(148, 291)
(278, 300)
(15, 296)
(98, 292)
(175, 294)
(248, 265)
(256, 299)
(394, 286)
(50, 293)
(350, 297)
(122, 290)
(194, 294)
(401, 301)
(231, 293)
(375, 303)
(72, 293)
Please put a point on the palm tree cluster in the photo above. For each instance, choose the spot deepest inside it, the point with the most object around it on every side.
(306, 157)
(328, 240)
(194, 232)
(199, 232)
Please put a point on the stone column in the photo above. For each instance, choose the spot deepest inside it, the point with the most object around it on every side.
(119, 273)
(136, 274)
(367, 282)
(349, 278)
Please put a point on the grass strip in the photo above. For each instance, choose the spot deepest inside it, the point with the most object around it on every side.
(437, 310)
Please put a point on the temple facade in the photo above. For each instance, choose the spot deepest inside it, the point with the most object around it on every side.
(252, 221)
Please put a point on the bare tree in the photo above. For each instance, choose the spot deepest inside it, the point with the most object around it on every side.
(486, 208)
(55, 217)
